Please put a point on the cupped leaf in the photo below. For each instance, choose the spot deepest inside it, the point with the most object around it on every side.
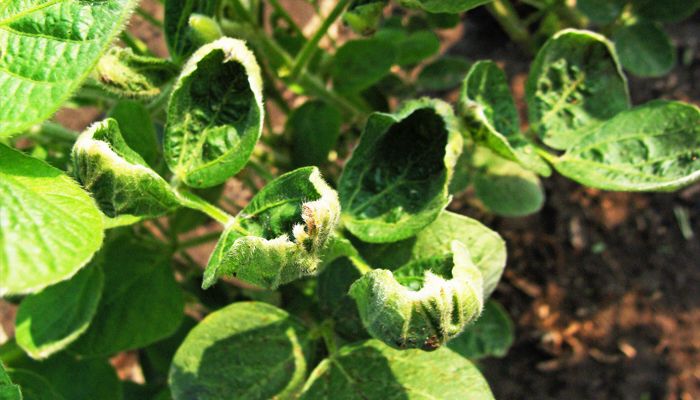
(665, 11)
(364, 16)
(179, 36)
(444, 6)
(396, 181)
(280, 235)
(490, 336)
(443, 74)
(315, 128)
(488, 250)
(118, 177)
(48, 48)
(141, 303)
(601, 11)
(574, 84)
(50, 320)
(423, 304)
(34, 386)
(49, 226)
(8, 390)
(126, 74)
(505, 187)
(244, 351)
(644, 49)
(215, 114)
(359, 64)
(488, 109)
(372, 370)
(654, 147)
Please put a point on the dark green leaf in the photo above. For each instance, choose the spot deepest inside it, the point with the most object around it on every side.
(372, 370)
(156, 358)
(644, 49)
(490, 336)
(141, 302)
(574, 84)
(488, 108)
(49, 226)
(333, 285)
(280, 235)
(601, 11)
(443, 74)
(8, 390)
(655, 147)
(665, 11)
(126, 74)
(416, 47)
(364, 16)
(443, 20)
(314, 127)
(444, 6)
(34, 386)
(396, 181)
(358, 64)
(137, 129)
(244, 351)
(178, 33)
(215, 114)
(50, 320)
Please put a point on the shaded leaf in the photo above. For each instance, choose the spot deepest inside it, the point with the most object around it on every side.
(34, 386)
(334, 300)
(179, 36)
(444, 6)
(490, 336)
(644, 49)
(364, 16)
(416, 47)
(315, 128)
(8, 390)
(359, 64)
(137, 129)
(443, 74)
(601, 11)
(665, 11)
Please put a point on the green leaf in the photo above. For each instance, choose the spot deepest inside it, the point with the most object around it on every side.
(443, 74)
(601, 11)
(490, 336)
(119, 178)
(574, 84)
(644, 49)
(489, 111)
(181, 40)
(126, 74)
(137, 277)
(49, 226)
(416, 47)
(371, 370)
(50, 320)
(423, 304)
(49, 47)
(8, 390)
(444, 6)
(156, 359)
(665, 11)
(396, 181)
(505, 187)
(364, 16)
(315, 128)
(215, 114)
(244, 351)
(334, 301)
(653, 147)
(280, 235)
(34, 386)
(138, 131)
(359, 64)
(487, 249)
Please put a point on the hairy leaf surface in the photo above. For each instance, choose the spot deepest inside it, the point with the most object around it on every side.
(488, 108)
(396, 181)
(654, 147)
(49, 226)
(138, 131)
(50, 320)
(280, 235)
(645, 49)
(215, 114)
(575, 82)
(48, 48)
(247, 350)
(372, 370)
(490, 336)
(126, 74)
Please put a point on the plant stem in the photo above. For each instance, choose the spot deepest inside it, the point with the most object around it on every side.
(191, 200)
(509, 20)
(328, 334)
(549, 157)
(311, 46)
(199, 240)
(52, 130)
(148, 17)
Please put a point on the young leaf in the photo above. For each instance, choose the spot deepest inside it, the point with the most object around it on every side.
(505, 187)
(574, 84)
(34, 386)
(49, 226)
(601, 11)
(118, 177)
(665, 11)
(653, 147)
(444, 6)
(244, 351)
(215, 114)
(644, 49)
(364, 16)
(372, 370)
(423, 304)
(443, 74)
(50, 320)
(359, 64)
(315, 127)
(137, 277)
(396, 181)
(126, 74)
(48, 48)
(490, 336)
(138, 131)
(488, 108)
(487, 249)
(8, 390)
(179, 36)
(280, 235)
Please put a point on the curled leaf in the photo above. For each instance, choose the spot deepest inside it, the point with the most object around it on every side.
(120, 180)
(280, 235)
(215, 114)
(122, 72)
(423, 304)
